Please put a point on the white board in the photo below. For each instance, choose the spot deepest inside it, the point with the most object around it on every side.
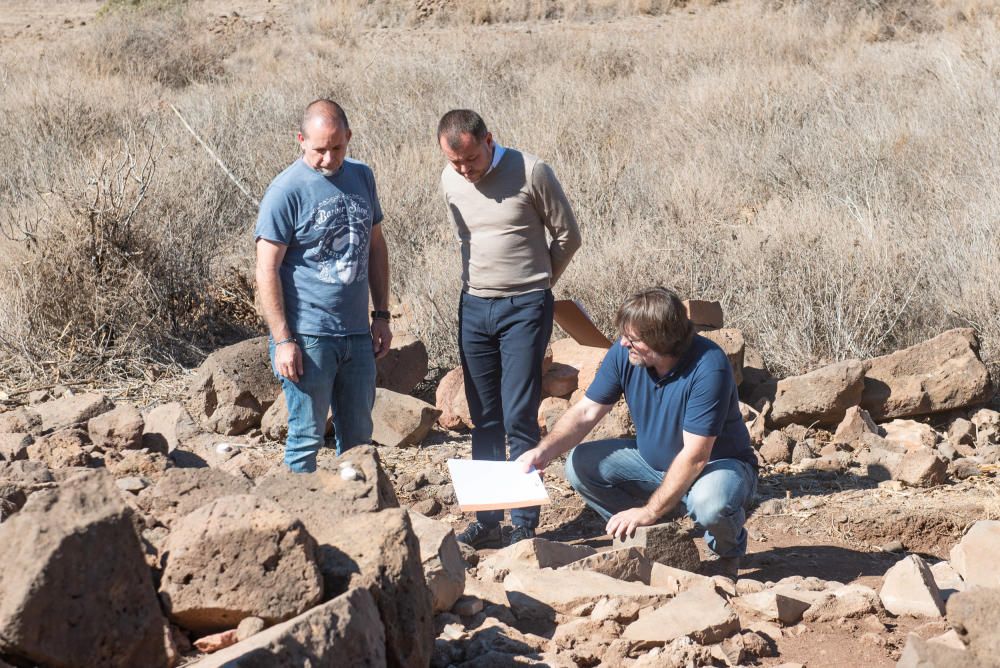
(485, 485)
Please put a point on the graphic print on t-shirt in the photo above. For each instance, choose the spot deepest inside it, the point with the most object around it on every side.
(342, 254)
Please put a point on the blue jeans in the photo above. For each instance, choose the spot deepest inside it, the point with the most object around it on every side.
(612, 476)
(502, 343)
(338, 374)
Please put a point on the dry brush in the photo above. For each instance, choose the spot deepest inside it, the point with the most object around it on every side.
(828, 171)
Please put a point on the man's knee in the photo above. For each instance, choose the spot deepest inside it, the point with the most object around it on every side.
(710, 508)
(580, 470)
(571, 471)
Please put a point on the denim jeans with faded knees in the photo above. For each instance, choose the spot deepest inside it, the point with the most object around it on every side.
(338, 374)
(502, 343)
(612, 476)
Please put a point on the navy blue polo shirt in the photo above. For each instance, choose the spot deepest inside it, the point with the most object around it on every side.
(698, 396)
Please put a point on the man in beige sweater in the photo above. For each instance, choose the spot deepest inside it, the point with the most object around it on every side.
(502, 202)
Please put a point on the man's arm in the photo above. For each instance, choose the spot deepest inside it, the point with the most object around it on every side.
(683, 471)
(378, 283)
(287, 356)
(557, 215)
(567, 434)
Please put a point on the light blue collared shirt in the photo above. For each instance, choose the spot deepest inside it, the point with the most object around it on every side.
(498, 152)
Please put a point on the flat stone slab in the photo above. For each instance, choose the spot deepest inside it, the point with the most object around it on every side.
(775, 605)
(346, 631)
(629, 564)
(539, 594)
(676, 580)
(700, 613)
(532, 553)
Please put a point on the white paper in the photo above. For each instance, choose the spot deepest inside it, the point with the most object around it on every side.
(485, 485)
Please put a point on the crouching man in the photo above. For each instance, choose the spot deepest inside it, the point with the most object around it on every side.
(691, 453)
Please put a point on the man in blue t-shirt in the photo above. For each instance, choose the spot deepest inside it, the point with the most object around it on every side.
(320, 249)
(691, 451)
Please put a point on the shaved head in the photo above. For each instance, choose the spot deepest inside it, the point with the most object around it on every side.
(323, 112)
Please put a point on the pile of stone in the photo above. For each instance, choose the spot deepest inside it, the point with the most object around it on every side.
(642, 603)
(289, 569)
(133, 538)
(638, 604)
(869, 407)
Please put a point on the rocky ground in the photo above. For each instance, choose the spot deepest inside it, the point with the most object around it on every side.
(171, 530)
(847, 563)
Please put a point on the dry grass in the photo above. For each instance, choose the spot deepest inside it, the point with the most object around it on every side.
(829, 171)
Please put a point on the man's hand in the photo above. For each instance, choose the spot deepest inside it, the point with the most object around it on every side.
(627, 521)
(288, 361)
(381, 337)
(533, 460)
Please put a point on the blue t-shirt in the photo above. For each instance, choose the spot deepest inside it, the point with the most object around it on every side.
(698, 396)
(326, 222)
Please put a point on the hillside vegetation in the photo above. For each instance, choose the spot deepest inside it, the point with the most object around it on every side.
(828, 170)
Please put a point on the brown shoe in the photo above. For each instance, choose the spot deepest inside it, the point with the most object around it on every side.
(727, 567)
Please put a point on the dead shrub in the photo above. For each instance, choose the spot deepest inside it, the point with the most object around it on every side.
(164, 44)
(838, 196)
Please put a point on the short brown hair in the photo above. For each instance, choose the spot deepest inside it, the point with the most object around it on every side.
(657, 317)
(458, 122)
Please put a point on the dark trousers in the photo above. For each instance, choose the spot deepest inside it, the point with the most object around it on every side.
(502, 343)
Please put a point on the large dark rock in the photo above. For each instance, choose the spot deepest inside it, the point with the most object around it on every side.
(167, 426)
(233, 387)
(72, 409)
(404, 366)
(401, 420)
(74, 588)
(181, 491)
(975, 614)
(818, 397)
(380, 551)
(326, 494)
(937, 375)
(238, 557)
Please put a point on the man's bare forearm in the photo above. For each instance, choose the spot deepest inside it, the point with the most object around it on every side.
(572, 427)
(378, 272)
(272, 302)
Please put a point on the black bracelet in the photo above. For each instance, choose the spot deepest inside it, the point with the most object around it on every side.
(381, 315)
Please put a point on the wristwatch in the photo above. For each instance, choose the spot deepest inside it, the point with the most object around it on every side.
(381, 315)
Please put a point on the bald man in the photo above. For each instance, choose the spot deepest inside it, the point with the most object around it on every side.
(320, 250)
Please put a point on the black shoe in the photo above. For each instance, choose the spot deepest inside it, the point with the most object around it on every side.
(479, 535)
(520, 533)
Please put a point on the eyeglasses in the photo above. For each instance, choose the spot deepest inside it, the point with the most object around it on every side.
(630, 340)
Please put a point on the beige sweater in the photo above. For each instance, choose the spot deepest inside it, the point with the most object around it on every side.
(501, 222)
